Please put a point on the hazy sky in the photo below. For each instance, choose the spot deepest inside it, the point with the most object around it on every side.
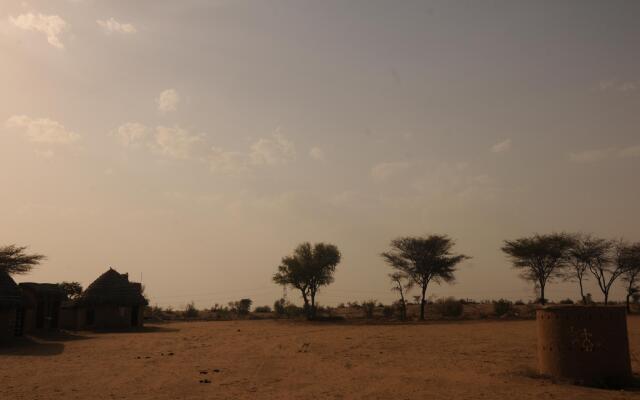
(195, 143)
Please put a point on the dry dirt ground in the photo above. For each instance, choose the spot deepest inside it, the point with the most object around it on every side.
(291, 360)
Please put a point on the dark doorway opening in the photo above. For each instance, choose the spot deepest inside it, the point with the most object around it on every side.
(55, 315)
(91, 317)
(134, 315)
(19, 327)
(40, 315)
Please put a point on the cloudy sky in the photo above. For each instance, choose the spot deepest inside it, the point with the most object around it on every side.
(195, 143)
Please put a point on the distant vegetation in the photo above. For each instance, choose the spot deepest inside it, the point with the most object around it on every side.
(416, 262)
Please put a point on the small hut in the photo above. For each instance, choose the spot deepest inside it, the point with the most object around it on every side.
(10, 307)
(42, 303)
(110, 302)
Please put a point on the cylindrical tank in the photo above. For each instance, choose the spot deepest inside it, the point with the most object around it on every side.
(584, 344)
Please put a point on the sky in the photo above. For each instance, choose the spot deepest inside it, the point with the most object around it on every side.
(193, 144)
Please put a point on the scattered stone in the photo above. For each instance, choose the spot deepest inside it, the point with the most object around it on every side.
(205, 381)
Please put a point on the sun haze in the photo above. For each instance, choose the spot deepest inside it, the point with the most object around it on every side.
(193, 144)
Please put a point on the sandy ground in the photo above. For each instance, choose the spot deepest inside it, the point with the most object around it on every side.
(291, 360)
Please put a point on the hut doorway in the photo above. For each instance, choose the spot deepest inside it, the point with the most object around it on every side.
(90, 317)
(134, 315)
(40, 315)
(19, 326)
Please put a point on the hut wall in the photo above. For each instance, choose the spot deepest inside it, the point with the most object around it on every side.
(29, 320)
(71, 318)
(7, 323)
(112, 317)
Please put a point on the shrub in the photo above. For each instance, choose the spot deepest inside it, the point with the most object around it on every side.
(566, 301)
(279, 307)
(502, 307)
(293, 311)
(191, 311)
(241, 307)
(449, 307)
(369, 307)
(263, 309)
(519, 303)
(388, 311)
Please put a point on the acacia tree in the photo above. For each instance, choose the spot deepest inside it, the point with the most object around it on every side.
(402, 283)
(584, 252)
(424, 259)
(609, 265)
(541, 258)
(15, 261)
(73, 290)
(631, 275)
(308, 269)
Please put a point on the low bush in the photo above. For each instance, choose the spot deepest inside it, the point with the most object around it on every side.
(502, 307)
(449, 307)
(262, 309)
(368, 307)
(191, 311)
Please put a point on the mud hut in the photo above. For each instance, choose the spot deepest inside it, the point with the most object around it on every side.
(10, 307)
(110, 302)
(42, 302)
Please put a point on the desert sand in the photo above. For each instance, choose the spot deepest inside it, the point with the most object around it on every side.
(291, 360)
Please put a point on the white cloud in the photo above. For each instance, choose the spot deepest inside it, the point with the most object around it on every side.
(51, 25)
(42, 130)
(383, 171)
(595, 155)
(271, 151)
(46, 154)
(619, 86)
(175, 142)
(628, 152)
(227, 162)
(168, 100)
(112, 26)
(130, 134)
(590, 156)
(317, 154)
(501, 147)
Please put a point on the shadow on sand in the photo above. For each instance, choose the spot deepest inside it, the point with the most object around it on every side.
(145, 329)
(27, 346)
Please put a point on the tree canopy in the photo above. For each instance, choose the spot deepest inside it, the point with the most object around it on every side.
(308, 269)
(541, 258)
(424, 259)
(15, 261)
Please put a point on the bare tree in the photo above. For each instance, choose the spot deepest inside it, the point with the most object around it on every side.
(15, 261)
(584, 251)
(308, 269)
(630, 258)
(608, 264)
(424, 259)
(540, 257)
(402, 283)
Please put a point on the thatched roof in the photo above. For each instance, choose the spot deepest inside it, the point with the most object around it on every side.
(113, 288)
(10, 295)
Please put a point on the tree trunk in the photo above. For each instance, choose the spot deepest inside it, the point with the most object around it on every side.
(312, 311)
(606, 298)
(306, 302)
(543, 301)
(628, 303)
(424, 291)
(403, 307)
(584, 299)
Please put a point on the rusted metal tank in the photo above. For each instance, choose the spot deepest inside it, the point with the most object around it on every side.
(584, 344)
